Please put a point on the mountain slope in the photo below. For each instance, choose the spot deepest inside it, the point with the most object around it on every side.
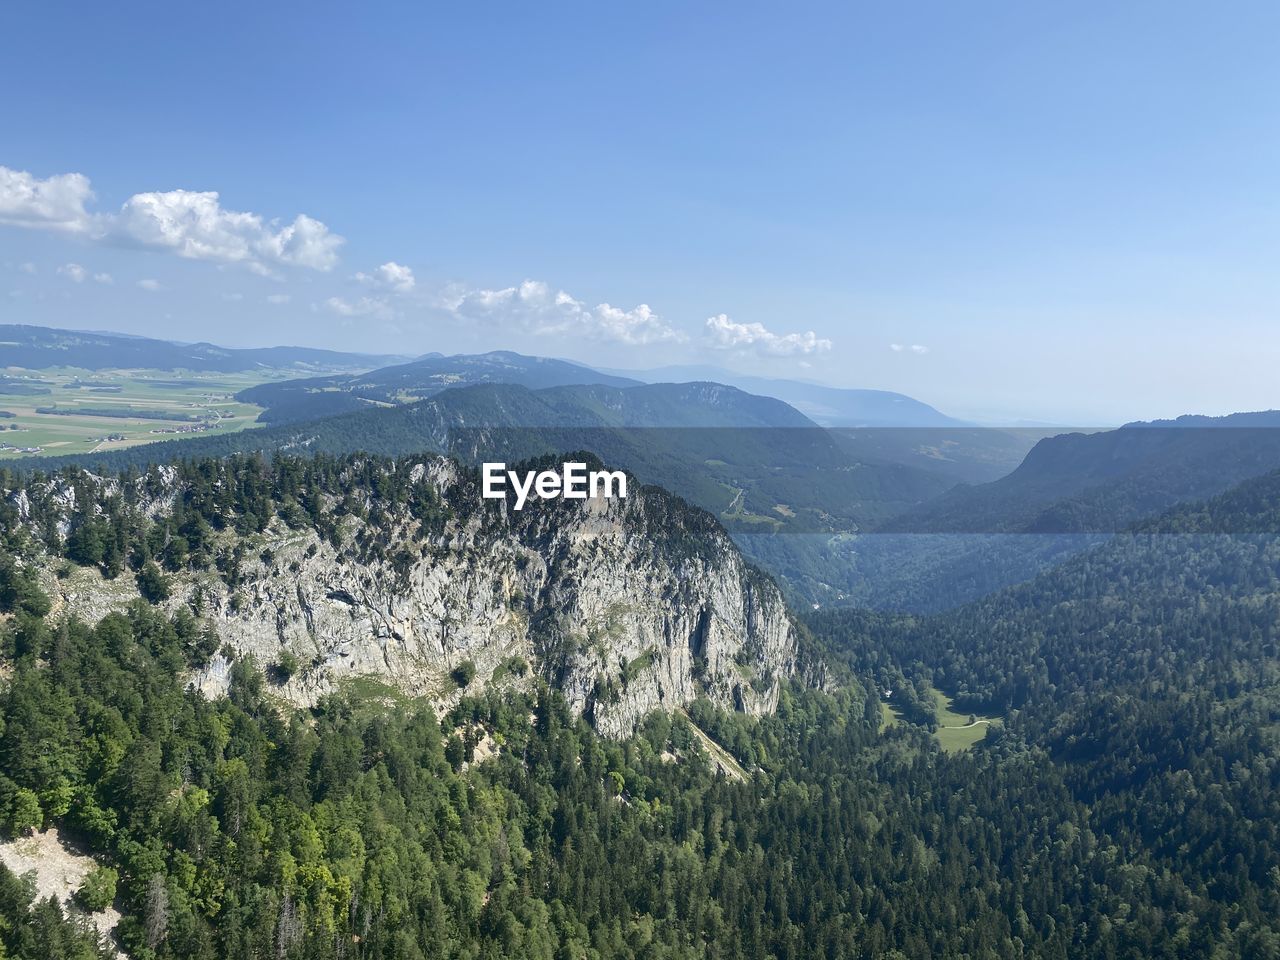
(1100, 482)
(36, 348)
(828, 406)
(963, 454)
(405, 383)
(399, 571)
(1128, 808)
(878, 425)
(753, 461)
(1147, 670)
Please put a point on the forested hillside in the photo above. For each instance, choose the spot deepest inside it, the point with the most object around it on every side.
(370, 830)
(1103, 481)
(331, 571)
(296, 400)
(753, 461)
(1126, 806)
(1148, 671)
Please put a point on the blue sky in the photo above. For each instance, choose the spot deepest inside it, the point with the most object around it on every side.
(1050, 211)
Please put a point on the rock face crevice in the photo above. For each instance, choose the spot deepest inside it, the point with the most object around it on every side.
(626, 605)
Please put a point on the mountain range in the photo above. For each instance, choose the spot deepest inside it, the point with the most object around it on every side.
(302, 688)
(754, 459)
(825, 405)
(1102, 482)
(294, 400)
(35, 348)
(755, 462)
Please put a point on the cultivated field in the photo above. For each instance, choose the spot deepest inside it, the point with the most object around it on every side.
(108, 410)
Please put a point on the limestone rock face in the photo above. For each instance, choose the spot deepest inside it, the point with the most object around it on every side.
(625, 605)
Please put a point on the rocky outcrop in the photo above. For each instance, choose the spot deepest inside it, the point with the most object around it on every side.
(626, 605)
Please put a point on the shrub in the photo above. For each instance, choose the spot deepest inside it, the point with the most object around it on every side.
(25, 814)
(285, 667)
(152, 584)
(98, 890)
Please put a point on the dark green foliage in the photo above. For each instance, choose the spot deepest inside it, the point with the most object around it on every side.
(152, 584)
(240, 831)
(285, 667)
(1148, 672)
(24, 814)
(31, 930)
(1128, 808)
(19, 590)
(131, 413)
(99, 889)
(464, 673)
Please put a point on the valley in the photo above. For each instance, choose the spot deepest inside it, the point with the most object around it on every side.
(253, 672)
(639, 482)
(58, 411)
(954, 731)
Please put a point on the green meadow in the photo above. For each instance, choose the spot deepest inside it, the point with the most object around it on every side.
(956, 731)
(959, 731)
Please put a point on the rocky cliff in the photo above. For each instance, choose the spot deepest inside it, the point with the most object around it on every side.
(625, 605)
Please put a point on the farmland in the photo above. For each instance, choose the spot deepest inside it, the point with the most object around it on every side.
(66, 410)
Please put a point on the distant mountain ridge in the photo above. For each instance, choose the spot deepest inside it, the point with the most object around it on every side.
(892, 428)
(825, 405)
(1100, 482)
(297, 400)
(432, 373)
(36, 348)
(753, 461)
(342, 382)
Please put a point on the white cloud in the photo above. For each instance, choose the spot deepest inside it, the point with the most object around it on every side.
(374, 307)
(278, 298)
(192, 224)
(913, 348)
(55, 203)
(195, 225)
(533, 307)
(73, 272)
(104, 278)
(233, 297)
(390, 276)
(27, 268)
(727, 334)
(148, 284)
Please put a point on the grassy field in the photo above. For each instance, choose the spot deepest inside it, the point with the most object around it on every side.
(207, 399)
(954, 732)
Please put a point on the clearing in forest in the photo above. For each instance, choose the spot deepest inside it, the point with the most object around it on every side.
(959, 731)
